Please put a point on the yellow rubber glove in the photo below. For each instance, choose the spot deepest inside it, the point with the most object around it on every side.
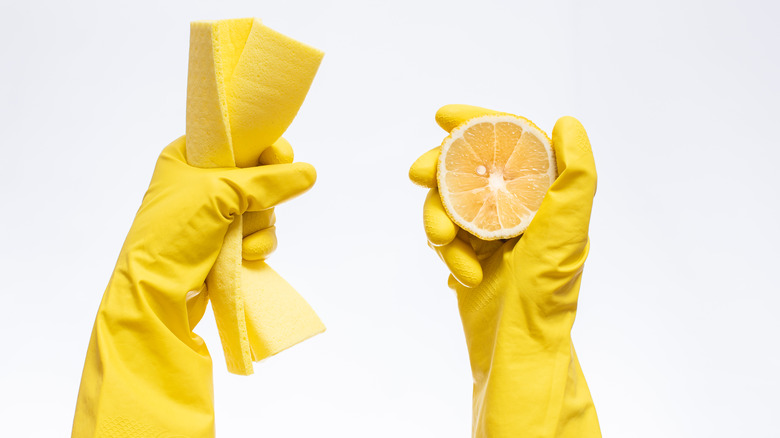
(517, 298)
(146, 373)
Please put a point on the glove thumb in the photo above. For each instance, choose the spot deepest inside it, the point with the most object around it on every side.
(559, 231)
(262, 187)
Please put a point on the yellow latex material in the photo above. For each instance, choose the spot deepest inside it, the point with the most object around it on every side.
(438, 226)
(246, 83)
(420, 172)
(146, 373)
(517, 300)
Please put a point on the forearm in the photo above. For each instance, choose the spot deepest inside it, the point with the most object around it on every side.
(527, 379)
(145, 371)
(533, 397)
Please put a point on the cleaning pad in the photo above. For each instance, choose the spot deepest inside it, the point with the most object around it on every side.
(245, 85)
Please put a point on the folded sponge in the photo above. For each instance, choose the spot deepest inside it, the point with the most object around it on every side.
(245, 85)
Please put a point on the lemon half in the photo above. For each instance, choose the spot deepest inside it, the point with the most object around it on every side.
(493, 174)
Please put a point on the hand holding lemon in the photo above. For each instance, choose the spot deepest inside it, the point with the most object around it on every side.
(508, 211)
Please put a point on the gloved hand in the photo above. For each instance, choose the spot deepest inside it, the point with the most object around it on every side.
(518, 297)
(146, 372)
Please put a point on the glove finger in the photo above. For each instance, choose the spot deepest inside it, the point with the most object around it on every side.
(439, 228)
(450, 116)
(281, 152)
(423, 171)
(262, 187)
(258, 220)
(259, 245)
(176, 151)
(559, 229)
(462, 262)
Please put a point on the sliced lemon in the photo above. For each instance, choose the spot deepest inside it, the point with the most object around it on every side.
(493, 174)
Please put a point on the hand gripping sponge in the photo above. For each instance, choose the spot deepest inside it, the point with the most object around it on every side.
(245, 85)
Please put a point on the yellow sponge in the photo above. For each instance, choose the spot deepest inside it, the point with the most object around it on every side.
(245, 85)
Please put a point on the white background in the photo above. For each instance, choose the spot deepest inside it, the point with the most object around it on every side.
(677, 330)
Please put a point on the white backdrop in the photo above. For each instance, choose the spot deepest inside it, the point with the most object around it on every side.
(677, 328)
